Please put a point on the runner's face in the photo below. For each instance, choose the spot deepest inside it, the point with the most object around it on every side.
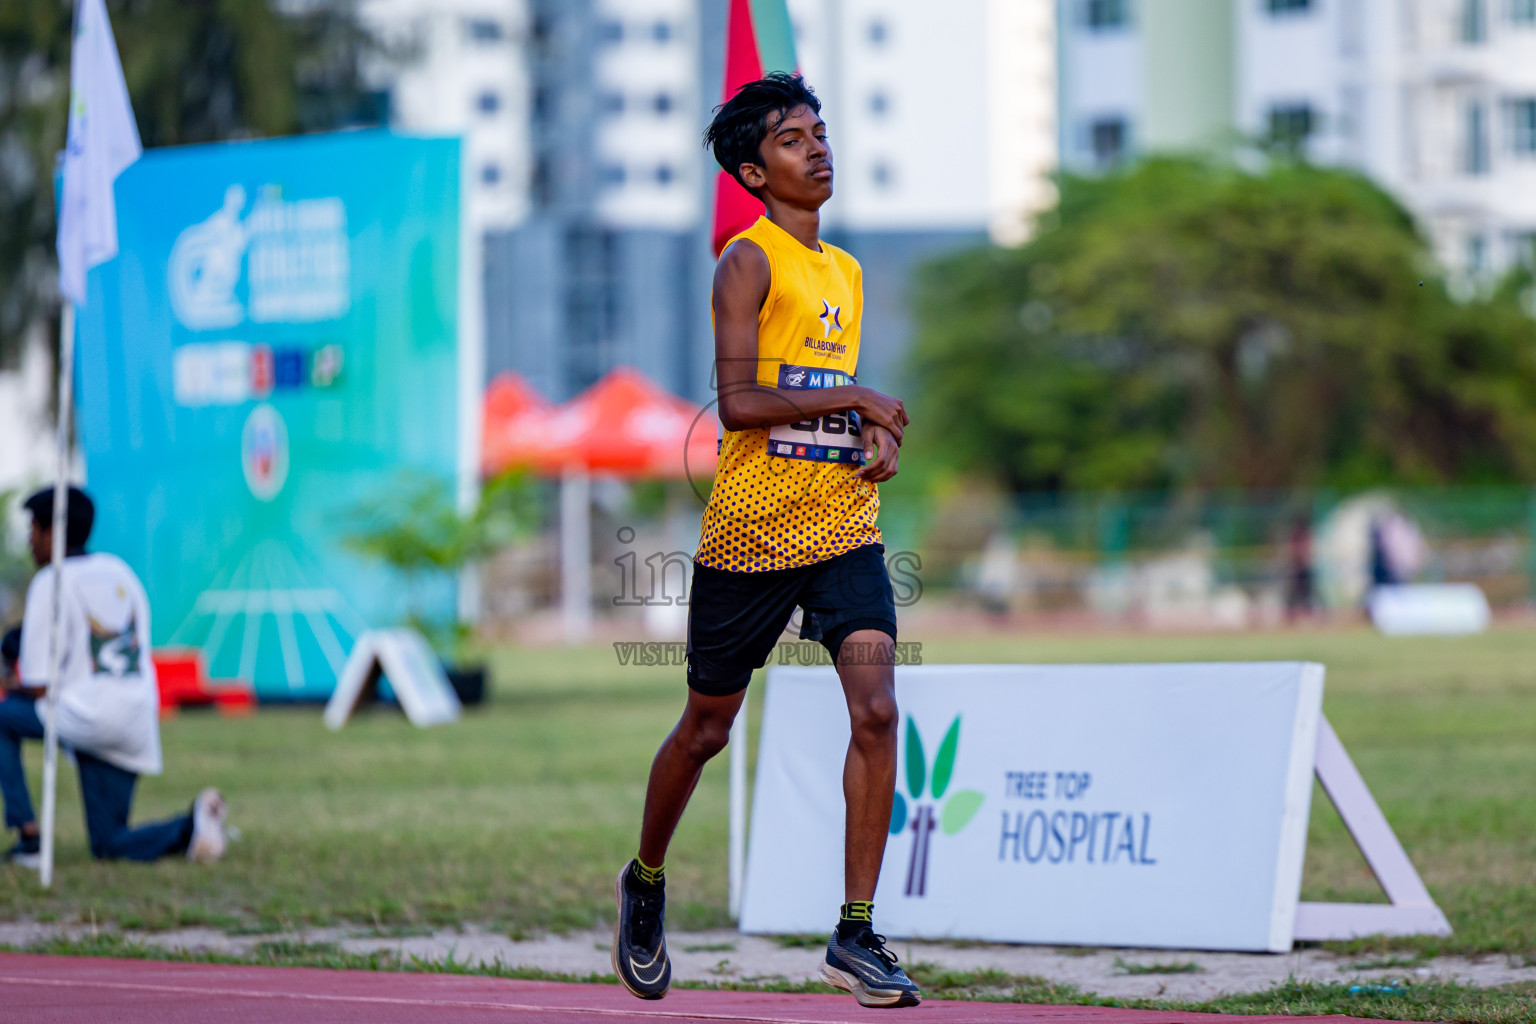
(797, 160)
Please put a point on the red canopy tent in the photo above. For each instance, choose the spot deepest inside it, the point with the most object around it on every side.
(623, 425)
(627, 426)
(512, 430)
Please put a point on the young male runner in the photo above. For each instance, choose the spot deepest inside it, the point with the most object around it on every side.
(791, 521)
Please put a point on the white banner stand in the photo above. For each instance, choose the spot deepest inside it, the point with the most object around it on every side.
(797, 831)
(1412, 911)
(737, 864)
(413, 671)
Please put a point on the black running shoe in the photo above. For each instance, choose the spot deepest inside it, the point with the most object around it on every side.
(862, 965)
(639, 946)
(27, 853)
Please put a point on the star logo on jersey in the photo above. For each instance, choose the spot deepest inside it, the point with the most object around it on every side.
(829, 318)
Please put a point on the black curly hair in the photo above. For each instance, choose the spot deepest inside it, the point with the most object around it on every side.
(741, 123)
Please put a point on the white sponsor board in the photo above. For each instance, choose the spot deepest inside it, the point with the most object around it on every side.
(1122, 805)
(415, 675)
(1447, 609)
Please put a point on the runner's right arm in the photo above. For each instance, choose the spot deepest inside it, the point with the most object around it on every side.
(741, 287)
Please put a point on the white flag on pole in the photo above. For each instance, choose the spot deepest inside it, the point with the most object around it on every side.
(103, 140)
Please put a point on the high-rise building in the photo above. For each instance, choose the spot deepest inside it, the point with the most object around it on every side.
(456, 67)
(591, 191)
(942, 121)
(1434, 99)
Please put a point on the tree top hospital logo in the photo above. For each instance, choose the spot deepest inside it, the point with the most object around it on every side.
(264, 452)
(295, 256)
(955, 814)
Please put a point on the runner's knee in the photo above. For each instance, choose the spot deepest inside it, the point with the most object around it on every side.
(873, 716)
(704, 736)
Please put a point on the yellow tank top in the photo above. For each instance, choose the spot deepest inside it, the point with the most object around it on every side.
(786, 496)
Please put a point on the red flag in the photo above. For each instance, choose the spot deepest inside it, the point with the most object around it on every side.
(758, 39)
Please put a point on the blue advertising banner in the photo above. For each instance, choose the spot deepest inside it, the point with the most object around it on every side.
(274, 349)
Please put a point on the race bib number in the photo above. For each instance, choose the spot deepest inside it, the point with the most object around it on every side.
(833, 438)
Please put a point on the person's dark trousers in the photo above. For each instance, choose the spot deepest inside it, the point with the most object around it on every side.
(18, 721)
(107, 792)
(105, 789)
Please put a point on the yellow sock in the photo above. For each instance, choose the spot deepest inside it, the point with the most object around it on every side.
(649, 875)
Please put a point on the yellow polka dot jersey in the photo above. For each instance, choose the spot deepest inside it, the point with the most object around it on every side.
(787, 496)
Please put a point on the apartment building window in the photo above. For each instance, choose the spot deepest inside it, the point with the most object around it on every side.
(1108, 138)
(611, 31)
(1477, 255)
(1351, 27)
(662, 103)
(1106, 15)
(483, 30)
(1281, 7)
(665, 175)
(1522, 127)
(661, 32)
(612, 175)
(881, 174)
(1291, 124)
(879, 103)
(487, 102)
(1522, 246)
(1476, 156)
(1474, 21)
(490, 175)
(1522, 12)
(611, 102)
(878, 33)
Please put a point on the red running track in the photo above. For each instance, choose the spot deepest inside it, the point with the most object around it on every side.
(58, 989)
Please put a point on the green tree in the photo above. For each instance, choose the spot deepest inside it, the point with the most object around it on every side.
(413, 527)
(197, 71)
(1185, 324)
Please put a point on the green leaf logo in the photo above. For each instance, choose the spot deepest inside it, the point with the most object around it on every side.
(954, 814)
(944, 761)
(917, 764)
(959, 811)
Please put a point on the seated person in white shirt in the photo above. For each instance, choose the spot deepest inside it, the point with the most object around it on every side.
(108, 704)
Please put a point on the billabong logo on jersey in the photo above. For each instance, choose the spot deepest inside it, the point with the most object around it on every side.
(830, 318)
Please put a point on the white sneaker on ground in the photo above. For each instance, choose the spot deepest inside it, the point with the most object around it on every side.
(208, 813)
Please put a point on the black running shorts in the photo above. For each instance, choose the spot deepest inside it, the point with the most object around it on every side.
(735, 618)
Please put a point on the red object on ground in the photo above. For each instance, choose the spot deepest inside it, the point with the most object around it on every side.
(512, 428)
(623, 425)
(183, 681)
(67, 989)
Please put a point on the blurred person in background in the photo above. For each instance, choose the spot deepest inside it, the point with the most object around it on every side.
(1300, 584)
(107, 700)
(1383, 573)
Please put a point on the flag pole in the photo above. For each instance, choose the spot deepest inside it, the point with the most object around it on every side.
(55, 637)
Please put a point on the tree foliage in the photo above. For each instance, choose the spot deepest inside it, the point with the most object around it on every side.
(1187, 324)
(197, 71)
(413, 526)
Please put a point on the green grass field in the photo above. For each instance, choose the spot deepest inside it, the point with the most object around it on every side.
(517, 817)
